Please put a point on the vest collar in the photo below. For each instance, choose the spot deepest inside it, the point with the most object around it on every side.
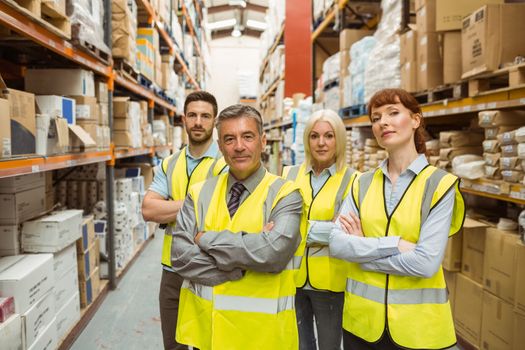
(331, 170)
(415, 167)
(250, 183)
(211, 152)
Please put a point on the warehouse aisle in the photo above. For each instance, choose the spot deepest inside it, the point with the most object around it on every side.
(129, 317)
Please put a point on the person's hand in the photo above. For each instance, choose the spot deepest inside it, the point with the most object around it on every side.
(268, 227)
(405, 246)
(351, 224)
(198, 237)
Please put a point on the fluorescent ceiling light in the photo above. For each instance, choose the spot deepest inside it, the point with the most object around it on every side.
(240, 3)
(256, 24)
(222, 24)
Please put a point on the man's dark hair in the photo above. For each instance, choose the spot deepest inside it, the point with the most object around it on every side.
(201, 96)
(238, 111)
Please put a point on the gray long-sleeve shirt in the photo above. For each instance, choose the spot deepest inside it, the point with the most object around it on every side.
(381, 254)
(220, 256)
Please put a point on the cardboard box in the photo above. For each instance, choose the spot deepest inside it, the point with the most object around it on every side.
(101, 91)
(519, 334)
(52, 135)
(122, 124)
(27, 278)
(89, 289)
(451, 57)
(47, 339)
(88, 261)
(57, 106)
(65, 287)
(499, 276)
(347, 37)
(64, 260)
(123, 139)
(519, 295)
(474, 234)
(86, 108)
(22, 183)
(68, 315)
(495, 118)
(11, 332)
(88, 234)
(80, 140)
(9, 240)
(452, 259)
(426, 17)
(491, 36)
(67, 82)
(450, 279)
(344, 62)
(52, 233)
(430, 61)
(468, 309)
(35, 320)
(18, 207)
(498, 323)
(94, 131)
(23, 121)
(5, 122)
(450, 13)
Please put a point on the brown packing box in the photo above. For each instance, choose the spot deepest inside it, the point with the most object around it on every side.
(429, 61)
(452, 259)
(491, 36)
(468, 309)
(499, 265)
(22, 112)
(5, 122)
(426, 17)
(86, 108)
(166, 69)
(89, 289)
(450, 13)
(408, 58)
(519, 295)
(519, 335)
(121, 107)
(122, 138)
(347, 37)
(344, 62)
(450, 279)
(123, 43)
(451, 57)
(79, 139)
(123, 124)
(101, 91)
(495, 118)
(474, 234)
(94, 130)
(88, 260)
(498, 323)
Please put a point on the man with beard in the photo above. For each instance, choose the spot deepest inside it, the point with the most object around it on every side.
(198, 161)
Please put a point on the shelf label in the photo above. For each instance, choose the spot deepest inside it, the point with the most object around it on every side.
(455, 110)
(51, 43)
(467, 108)
(35, 168)
(492, 105)
(71, 162)
(522, 101)
(481, 107)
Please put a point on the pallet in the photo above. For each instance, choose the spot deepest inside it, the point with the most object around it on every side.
(500, 80)
(46, 13)
(353, 111)
(441, 93)
(331, 84)
(126, 69)
(145, 82)
(101, 54)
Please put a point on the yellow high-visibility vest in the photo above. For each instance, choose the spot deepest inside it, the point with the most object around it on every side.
(414, 311)
(318, 267)
(255, 312)
(175, 168)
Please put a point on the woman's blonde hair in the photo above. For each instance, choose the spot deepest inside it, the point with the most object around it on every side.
(329, 116)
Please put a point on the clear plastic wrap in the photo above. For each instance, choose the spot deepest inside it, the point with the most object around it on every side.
(331, 68)
(359, 53)
(87, 21)
(124, 30)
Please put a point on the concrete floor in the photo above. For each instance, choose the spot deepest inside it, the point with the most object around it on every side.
(129, 316)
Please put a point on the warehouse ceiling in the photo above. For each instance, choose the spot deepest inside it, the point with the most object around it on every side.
(227, 16)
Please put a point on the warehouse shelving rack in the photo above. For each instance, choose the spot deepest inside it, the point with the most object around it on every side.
(43, 37)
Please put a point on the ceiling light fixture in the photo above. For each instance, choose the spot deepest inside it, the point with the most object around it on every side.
(240, 3)
(222, 24)
(256, 24)
(236, 32)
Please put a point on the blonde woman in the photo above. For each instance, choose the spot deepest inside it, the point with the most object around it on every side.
(393, 229)
(324, 180)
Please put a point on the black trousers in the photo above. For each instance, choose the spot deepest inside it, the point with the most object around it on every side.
(170, 285)
(351, 342)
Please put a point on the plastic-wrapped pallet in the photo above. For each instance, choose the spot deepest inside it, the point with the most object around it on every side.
(384, 66)
(359, 54)
(331, 68)
(124, 30)
(87, 22)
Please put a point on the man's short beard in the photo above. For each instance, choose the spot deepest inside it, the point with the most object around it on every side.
(199, 141)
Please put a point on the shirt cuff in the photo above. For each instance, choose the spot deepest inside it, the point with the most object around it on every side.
(388, 245)
(205, 241)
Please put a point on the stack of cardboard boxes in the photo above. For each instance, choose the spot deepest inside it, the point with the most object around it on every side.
(148, 54)
(456, 143)
(88, 262)
(126, 123)
(484, 282)
(124, 31)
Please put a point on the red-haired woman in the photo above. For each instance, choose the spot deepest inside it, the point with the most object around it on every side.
(393, 229)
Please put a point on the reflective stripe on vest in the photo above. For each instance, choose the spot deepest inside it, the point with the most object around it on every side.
(404, 296)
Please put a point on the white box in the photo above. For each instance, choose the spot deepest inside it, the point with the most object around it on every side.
(22, 183)
(68, 315)
(9, 240)
(64, 260)
(65, 287)
(35, 320)
(68, 82)
(18, 207)
(57, 106)
(52, 233)
(52, 135)
(27, 278)
(47, 339)
(11, 333)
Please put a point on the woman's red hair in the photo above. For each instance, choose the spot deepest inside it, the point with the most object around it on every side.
(393, 96)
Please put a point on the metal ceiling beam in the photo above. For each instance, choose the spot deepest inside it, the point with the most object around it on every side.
(223, 8)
